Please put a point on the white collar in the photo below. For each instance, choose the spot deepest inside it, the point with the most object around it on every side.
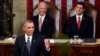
(26, 37)
(42, 17)
(81, 16)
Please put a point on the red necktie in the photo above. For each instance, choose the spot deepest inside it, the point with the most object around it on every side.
(40, 23)
(79, 23)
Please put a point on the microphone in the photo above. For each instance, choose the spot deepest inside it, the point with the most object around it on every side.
(23, 48)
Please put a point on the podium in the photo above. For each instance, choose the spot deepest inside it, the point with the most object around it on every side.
(85, 49)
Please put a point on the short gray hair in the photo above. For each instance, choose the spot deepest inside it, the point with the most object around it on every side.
(27, 21)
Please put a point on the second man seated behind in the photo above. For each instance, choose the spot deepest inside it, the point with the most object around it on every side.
(80, 25)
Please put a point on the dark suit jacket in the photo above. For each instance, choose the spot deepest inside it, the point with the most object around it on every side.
(86, 29)
(47, 27)
(37, 46)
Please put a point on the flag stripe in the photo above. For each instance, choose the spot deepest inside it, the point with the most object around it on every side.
(53, 2)
(97, 3)
(86, 1)
(81, 0)
(92, 2)
(63, 8)
(47, 0)
(41, 0)
(63, 12)
(29, 9)
(74, 2)
(35, 2)
(58, 3)
(69, 5)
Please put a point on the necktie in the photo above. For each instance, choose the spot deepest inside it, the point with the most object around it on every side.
(40, 23)
(28, 44)
(79, 23)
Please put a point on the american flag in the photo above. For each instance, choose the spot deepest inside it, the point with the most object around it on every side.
(64, 6)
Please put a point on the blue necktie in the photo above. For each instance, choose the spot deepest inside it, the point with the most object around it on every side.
(28, 44)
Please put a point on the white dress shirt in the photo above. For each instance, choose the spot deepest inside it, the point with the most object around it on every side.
(42, 17)
(77, 17)
(26, 37)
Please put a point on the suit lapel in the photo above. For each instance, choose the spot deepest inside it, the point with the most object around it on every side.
(82, 23)
(23, 41)
(24, 45)
(37, 22)
(32, 44)
(44, 23)
(75, 25)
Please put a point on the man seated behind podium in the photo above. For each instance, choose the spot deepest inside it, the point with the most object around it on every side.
(44, 24)
(80, 25)
(31, 44)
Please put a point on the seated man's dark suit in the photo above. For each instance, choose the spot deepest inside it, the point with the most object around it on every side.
(37, 45)
(47, 28)
(86, 28)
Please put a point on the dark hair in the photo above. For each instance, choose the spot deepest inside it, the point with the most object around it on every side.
(82, 3)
